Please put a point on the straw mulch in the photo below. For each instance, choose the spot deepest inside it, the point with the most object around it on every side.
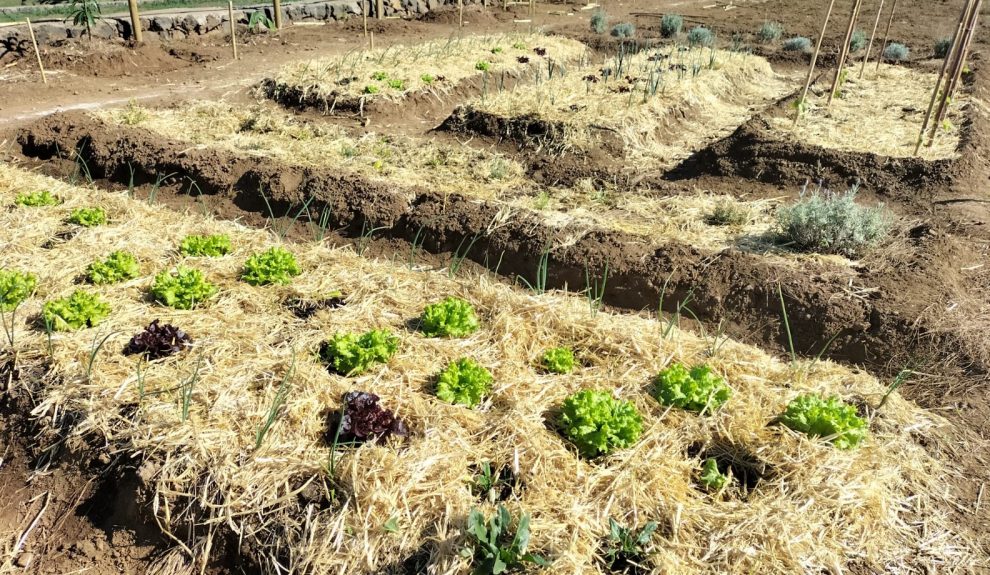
(817, 509)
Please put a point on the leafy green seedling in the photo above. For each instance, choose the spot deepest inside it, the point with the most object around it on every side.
(379, 76)
(37, 199)
(699, 389)
(482, 66)
(211, 246)
(711, 479)
(598, 423)
(119, 266)
(464, 382)
(369, 89)
(558, 360)
(88, 217)
(428, 79)
(15, 287)
(829, 418)
(349, 354)
(79, 310)
(626, 548)
(452, 317)
(183, 288)
(397, 84)
(274, 266)
(496, 547)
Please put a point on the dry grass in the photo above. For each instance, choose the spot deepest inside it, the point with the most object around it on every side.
(712, 94)
(883, 505)
(880, 114)
(351, 77)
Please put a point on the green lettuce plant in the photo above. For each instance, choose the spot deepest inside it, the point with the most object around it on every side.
(464, 382)
(558, 360)
(37, 199)
(711, 479)
(350, 354)
(15, 287)
(119, 266)
(830, 418)
(452, 317)
(183, 288)
(274, 266)
(211, 246)
(79, 310)
(699, 389)
(598, 423)
(88, 217)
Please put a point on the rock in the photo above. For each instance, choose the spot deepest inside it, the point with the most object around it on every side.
(24, 560)
(296, 12)
(161, 24)
(212, 22)
(48, 33)
(319, 11)
(187, 23)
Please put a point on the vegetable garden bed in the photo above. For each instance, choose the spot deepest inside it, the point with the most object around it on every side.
(232, 430)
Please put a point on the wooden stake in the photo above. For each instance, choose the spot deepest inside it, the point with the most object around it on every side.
(460, 13)
(34, 42)
(873, 36)
(233, 27)
(814, 61)
(365, 6)
(372, 39)
(959, 64)
(379, 9)
(886, 35)
(277, 8)
(956, 40)
(132, 6)
(843, 53)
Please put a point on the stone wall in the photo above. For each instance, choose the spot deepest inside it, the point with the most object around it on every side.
(181, 25)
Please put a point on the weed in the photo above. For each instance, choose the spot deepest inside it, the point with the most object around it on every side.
(133, 114)
(496, 547)
(182, 288)
(558, 360)
(728, 213)
(701, 36)
(273, 266)
(464, 382)
(452, 317)
(797, 44)
(671, 25)
(699, 390)
(828, 418)
(88, 217)
(119, 266)
(624, 30)
(626, 549)
(542, 200)
(711, 479)
(349, 354)
(498, 169)
(37, 199)
(826, 222)
(599, 21)
(79, 310)
(858, 41)
(770, 32)
(211, 246)
(597, 423)
(896, 52)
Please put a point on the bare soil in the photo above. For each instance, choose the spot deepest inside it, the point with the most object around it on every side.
(922, 301)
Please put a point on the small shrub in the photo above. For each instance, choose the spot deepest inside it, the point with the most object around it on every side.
(770, 32)
(626, 548)
(624, 30)
(88, 217)
(210, 246)
(858, 41)
(464, 382)
(699, 389)
(797, 44)
(79, 310)
(362, 419)
(482, 66)
(599, 22)
(598, 423)
(671, 25)
(496, 547)
(700, 36)
(896, 52)
(370, 89)
(37, 199)
(273, 266)
(349, 354)
(728, 213)
(558, 360)
(158, 341)
(453, 317)
(711, 479)
(942, 47)
(118, 266)
(183, 288)
(829, 418)
(15, 287)
(830, 223)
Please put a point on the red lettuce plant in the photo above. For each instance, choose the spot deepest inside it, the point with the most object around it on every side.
(158, 341)
(362, 419)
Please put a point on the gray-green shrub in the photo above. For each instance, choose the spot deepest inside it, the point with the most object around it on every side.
(770, 32)
(942, 47)
(701, 36)
(671, 25)
(599, 22)
(896, 52)
(858, 41)
(833, 223)
(797, 44)
(623, 30)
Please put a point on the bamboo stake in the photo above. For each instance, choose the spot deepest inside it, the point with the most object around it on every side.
(379, 9)
(956, 40)
(843, 53)
(814, 61)
(233, 27)
(460, 13)
(132, 7)
(886, 35)
(372, 39)
(365, 6)
(959, 64)
(873, 36)
(277, 9)
(34, 42)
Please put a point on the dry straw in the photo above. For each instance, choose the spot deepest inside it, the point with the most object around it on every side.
(882, 506)
(879, 115)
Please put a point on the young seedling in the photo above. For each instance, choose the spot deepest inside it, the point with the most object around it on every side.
(711, 479)
(278, 403)
(626, 549)
(495, 546)
(558, 360)
(88, 217)
(699, 390)
(38, 199)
